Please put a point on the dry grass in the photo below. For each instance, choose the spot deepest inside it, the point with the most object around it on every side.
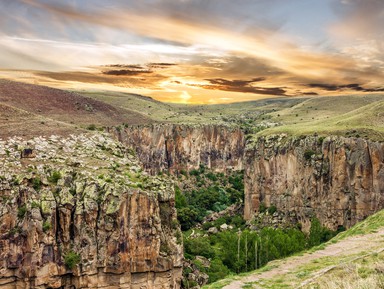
(29, 110)
(367, 273)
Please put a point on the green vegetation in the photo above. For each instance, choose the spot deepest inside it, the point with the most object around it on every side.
(213, 193)
(351, 116)
(47, 226)
(357, 267)
(71, 259)
(54, 177)
(91, 127)
(36, 184)
(21, 211)
(308, 154)
(235, 249)
(319, 234)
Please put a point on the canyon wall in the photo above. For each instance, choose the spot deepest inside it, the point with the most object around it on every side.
(338, 180)
(182, 147)
(80, 213)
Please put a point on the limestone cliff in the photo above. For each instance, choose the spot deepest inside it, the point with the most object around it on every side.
(79, 213)
(338, 180)
(183, 147)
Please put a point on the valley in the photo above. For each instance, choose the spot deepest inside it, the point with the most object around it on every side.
(114, 178)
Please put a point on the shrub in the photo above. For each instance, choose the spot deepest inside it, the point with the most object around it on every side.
(272, 209)
(211, 176)
(21, 211)
(91, 127)
(54, 177)
(217, 270)
(262, 208)
(35, 205)
(194, 172)
(187, 217)
(46, 226)
(308, 154)
(36, 184)
(71, 259)
(199, 247)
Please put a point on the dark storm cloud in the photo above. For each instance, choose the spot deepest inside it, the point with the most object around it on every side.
(244, 86)
(126, 72)
(352, 86)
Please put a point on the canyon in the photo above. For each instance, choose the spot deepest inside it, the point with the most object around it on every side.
(92, 211)
(336, 179)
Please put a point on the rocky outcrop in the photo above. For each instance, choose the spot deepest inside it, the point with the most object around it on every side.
(183, 147)
(338, 180)
(80, 213)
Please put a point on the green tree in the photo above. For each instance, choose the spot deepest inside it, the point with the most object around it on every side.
(315, 232)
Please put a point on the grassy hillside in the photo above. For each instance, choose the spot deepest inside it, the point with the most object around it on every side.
(351, 115)
(187, 113)
(28, 109)
(353, 259)
(356, 116)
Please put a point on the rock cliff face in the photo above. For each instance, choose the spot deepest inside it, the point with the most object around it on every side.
(80, 213)
(182, 147)
(338, 180)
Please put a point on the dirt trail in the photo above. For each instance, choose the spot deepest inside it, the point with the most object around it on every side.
(349, 246)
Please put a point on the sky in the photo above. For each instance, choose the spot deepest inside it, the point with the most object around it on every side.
(196, 51)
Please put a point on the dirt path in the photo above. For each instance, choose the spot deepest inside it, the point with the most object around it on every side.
(350, 246)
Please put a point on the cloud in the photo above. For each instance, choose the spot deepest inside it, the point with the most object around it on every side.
(126, 72)
(198, 47)
(185, 24)
(136, 69)
(352, 86)
(244, 86)
(359, 18)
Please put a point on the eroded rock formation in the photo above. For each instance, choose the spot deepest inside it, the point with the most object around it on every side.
(82, 214)
(183, 147)
(338, 180)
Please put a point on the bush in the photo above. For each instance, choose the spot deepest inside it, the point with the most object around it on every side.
(36, 184)
(198, 247)
(46, 226)
(71, 259)
(262, 208)
(180, 199)
(211, 176)
(21, 211)
(194, 173)
(308, 154)
(91, 127)
(272, 209)
(217, 270)
(187, 217)
(319, 234)
(54, 177)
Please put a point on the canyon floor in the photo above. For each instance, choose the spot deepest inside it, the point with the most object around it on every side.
(353, 259)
